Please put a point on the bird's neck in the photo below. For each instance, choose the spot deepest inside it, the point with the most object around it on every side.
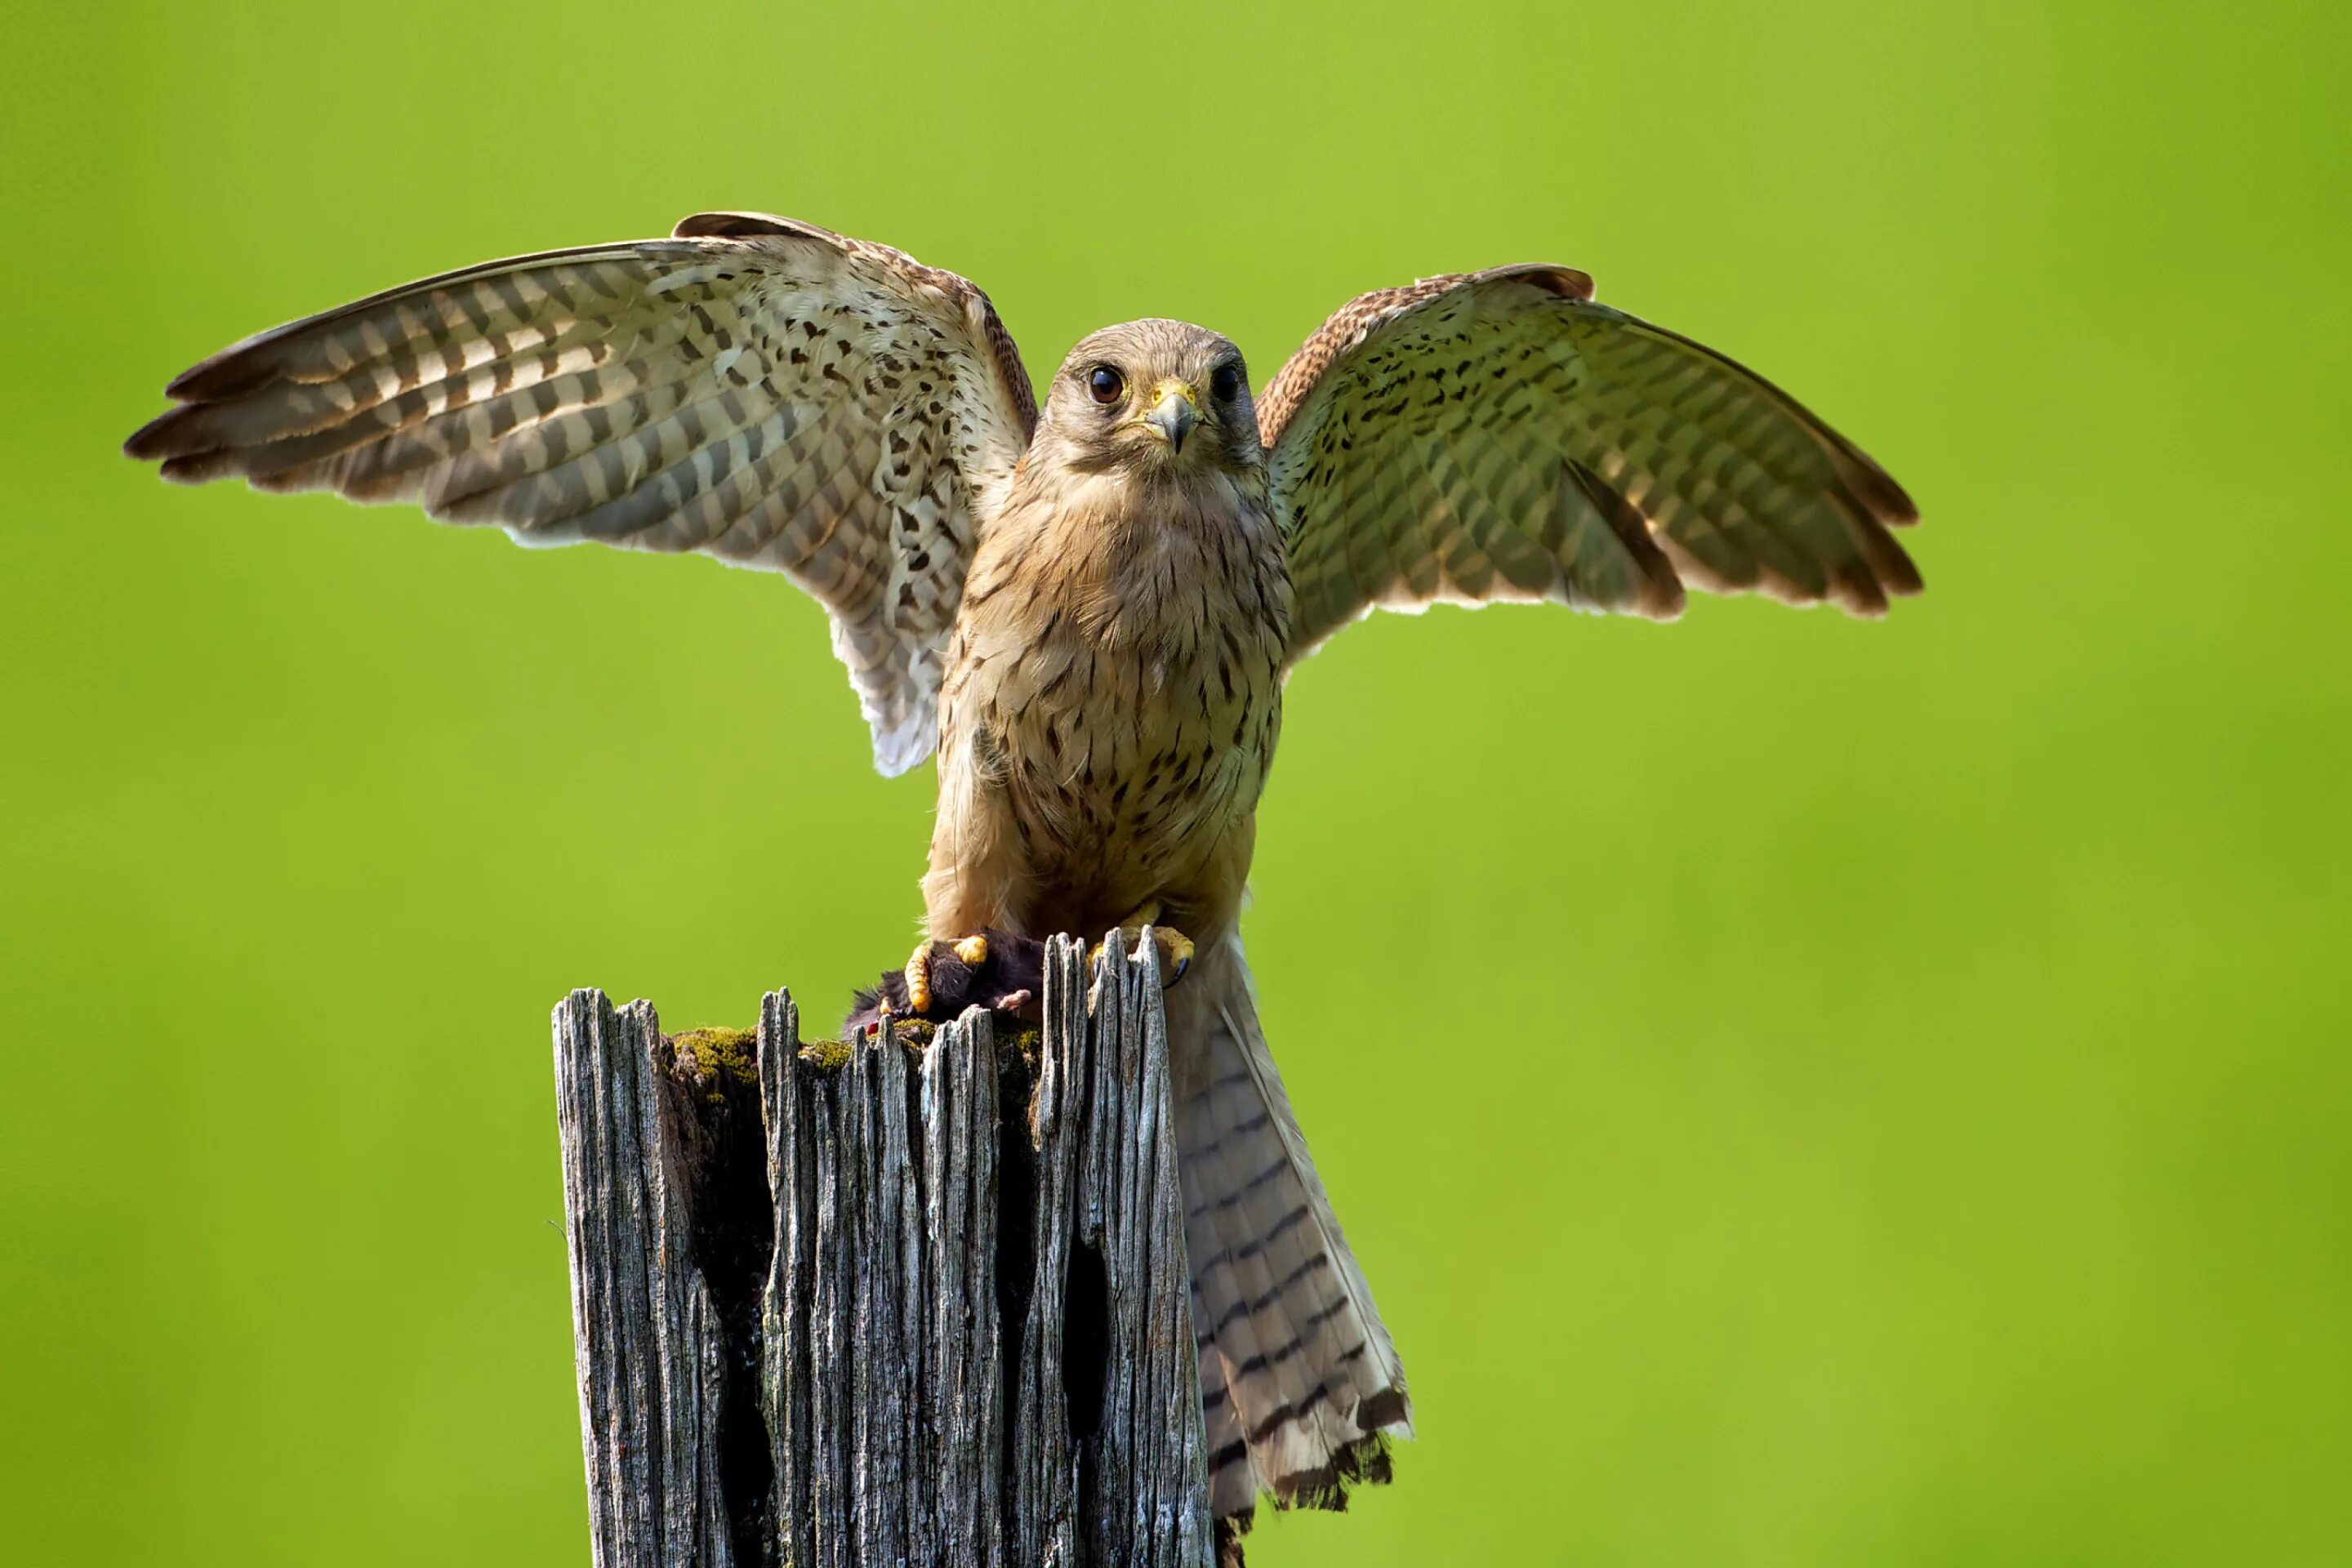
(1121, 550)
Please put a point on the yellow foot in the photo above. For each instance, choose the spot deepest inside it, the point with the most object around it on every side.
(972, 951)
(918, 979)
(1175, 949)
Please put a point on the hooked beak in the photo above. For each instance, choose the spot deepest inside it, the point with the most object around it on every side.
(1174, 415)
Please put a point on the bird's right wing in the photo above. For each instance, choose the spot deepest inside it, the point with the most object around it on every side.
(756, 389)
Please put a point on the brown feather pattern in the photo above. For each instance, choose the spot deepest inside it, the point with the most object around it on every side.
(754, 389)
(1500, 435)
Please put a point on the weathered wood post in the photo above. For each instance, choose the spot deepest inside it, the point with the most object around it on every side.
(915, 1301)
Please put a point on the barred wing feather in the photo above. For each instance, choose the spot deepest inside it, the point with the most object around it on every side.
(1498, 435)
(751, 388)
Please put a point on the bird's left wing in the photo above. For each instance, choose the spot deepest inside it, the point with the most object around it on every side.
(756, 389)
(1500, 435)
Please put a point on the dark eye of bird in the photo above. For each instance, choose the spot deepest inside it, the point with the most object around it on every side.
(1225, 381)
(1105, 384)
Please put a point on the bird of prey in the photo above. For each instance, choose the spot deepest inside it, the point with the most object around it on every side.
(1088, 606)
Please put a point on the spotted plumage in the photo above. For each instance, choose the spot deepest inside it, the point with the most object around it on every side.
(1088, 606)
(758, 390)
(1533, 444)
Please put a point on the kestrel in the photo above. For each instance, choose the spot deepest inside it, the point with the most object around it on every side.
(1088, 609)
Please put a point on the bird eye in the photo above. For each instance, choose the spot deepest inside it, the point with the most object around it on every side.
(1105, 384)
(1225, 382)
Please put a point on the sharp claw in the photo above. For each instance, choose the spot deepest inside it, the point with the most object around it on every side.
(972, 949)
(1175, 949)
(1178, 949)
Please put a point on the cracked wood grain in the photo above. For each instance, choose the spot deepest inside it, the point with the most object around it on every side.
(905, 1303)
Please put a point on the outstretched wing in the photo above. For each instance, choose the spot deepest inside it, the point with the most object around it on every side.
(753, 388)
(1498, 435)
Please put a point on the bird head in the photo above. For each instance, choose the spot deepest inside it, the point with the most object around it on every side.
(1155, 399)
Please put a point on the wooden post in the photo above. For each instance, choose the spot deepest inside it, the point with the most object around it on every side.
(920, 1300)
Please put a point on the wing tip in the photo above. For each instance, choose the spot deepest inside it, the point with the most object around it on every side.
(199, 380)
(1892, 571)
(198, 467)
(240, 368)
(1887, 502)
(902, 750)
(186, 456)
(153, 441)
(1661, 602)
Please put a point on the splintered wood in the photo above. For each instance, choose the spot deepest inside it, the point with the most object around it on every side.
(899, 1303)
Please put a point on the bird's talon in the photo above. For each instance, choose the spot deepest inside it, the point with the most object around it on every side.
(919, 981)
(972, 949)
(1175, 949)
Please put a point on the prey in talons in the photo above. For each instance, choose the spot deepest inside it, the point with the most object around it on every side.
(992, 969)
(971, 952)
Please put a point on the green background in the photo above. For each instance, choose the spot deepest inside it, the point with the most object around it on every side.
(1805, 1093)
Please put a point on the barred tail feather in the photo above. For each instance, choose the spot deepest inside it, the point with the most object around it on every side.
(1301, 1384)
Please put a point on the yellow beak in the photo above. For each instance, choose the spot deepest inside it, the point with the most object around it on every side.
(1174, 411)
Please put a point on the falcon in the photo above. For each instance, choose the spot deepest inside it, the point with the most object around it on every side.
(1087, 605)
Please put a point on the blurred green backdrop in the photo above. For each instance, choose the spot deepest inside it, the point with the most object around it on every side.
(1805, 1093)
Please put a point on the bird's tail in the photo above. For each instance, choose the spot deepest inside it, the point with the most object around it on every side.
(1301, 1386)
